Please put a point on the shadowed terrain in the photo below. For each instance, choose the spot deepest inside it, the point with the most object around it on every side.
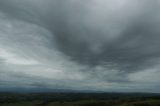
(79, 99)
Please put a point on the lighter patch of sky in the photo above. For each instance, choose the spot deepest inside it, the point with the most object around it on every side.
(23, 51)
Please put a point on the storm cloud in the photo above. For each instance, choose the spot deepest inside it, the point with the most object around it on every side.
(108, 45)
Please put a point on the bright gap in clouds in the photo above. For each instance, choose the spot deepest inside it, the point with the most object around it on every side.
(23, 51)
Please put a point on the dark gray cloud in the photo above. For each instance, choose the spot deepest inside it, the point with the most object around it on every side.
(92, 44)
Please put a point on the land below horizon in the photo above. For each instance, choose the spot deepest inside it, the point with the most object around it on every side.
(78, 99)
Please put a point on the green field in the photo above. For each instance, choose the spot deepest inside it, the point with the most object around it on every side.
(79, 99)
(86, 103)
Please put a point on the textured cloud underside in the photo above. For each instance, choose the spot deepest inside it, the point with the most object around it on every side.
(109, 45)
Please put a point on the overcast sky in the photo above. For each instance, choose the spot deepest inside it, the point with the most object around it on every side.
(103, 45)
